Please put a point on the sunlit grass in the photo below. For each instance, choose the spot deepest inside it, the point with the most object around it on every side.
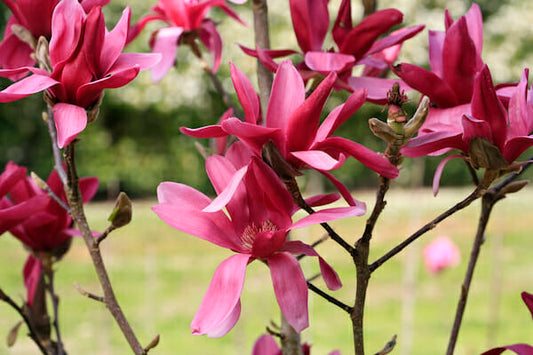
(160, 276)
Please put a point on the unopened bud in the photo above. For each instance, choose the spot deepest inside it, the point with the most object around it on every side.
(484, 154)
(122, 211)
(13, 333)
(514, 186)
(152, 344)
(418, 118)
(383, 131)
(38, 181)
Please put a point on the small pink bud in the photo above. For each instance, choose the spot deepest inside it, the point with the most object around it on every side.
(440, 254)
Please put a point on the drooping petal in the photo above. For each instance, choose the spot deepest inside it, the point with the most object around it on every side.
(221, 298)
(369, 158)
(180, 206)
(434, 142)
(331, 214)
(165, 43)
(70, 120)
(214, 131)
(290, 288)
(32, 274)
(227, 324)
(226, 195)
(439, 170)
(326, 62)
(331, 277)
(528, 300)
(26, 87)
(394, 38)
(346, 194)
(212, 41)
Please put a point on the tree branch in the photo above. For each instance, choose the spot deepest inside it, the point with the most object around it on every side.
(329, 298)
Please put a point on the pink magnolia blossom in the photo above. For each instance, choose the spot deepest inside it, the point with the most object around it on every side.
(267, 345)
(293, 125)
(43, 226)
(36, 17)
(186, 21)
(520, 349)
(508, 131)
(85, 58)
(440, 254)
(357, 45)
(256, 225)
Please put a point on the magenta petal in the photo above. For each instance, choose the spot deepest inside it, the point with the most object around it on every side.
(204, 132)
(439, 170)
(520, 123)
(246, 94)
(115, 41)
(26, 87)
(516, 146)
(433, 142)
(331, 278)
(11, 176)
(520, 349)
(88, 187)
(321, 200)
(222, 296)
(528, 300)
(180, 207)
(225, 196)
(474, 22)
(32, 275)
(166, 43)
(325, 62)
(266, 345)
(395, 38)
(310, 20)
(11, 216)
(377, 88)
(436, 42)
(227, 324)
(142, 60)
(288, 93)
(331, 214)
(212, 41)
(70, 120)
(67, 23)
(290, 288)
(427, 83)
(346, 194)
(319, 160)
(252, 135)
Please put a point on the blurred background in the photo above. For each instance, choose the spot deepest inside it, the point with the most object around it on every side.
(160, 275)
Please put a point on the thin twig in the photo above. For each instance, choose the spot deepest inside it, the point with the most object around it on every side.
(55, 305)
(104, 235)
(78, 215)
(388, 347)
(429, 226)
(488, 202)
(86, 293)
(262, 40)
(329, 298)
(22, 314)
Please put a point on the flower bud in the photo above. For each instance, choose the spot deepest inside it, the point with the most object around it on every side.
(483, 154)
(122, 211)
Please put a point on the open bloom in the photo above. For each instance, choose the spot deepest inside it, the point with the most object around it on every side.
(440, 254)
(85, 58)
(491, 137)
(357, 45)
(186, 22)
(256, 225)
(49, 228)
(36, 17)
(520, 349)
(293, 125)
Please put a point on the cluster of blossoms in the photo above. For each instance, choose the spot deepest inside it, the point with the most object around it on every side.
(254, 177)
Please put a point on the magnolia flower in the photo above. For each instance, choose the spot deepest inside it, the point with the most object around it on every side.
(85, 58)
(491, 137)
(35, 16)
(48, 229)
(520, 349)
(293, 125)
(186, 22)
(267, 345)
(440, 254)
(256, 225)
(357, 45)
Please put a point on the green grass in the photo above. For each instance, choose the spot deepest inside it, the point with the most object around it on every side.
(160, 276)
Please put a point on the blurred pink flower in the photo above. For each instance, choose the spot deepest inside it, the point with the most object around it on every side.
(258, 219)
(185, 18)
(520, 349)
(267, 345)
(293, 124)
(440, 254)
(85, 58)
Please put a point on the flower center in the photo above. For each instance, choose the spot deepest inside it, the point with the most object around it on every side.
(250, 232)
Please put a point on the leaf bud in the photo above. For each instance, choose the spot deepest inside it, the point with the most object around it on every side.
(121, 214)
